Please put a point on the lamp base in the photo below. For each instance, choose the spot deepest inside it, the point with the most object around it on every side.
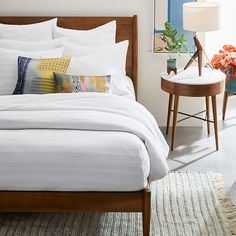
(197, 54)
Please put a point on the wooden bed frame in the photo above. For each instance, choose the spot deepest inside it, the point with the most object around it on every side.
(35, 201)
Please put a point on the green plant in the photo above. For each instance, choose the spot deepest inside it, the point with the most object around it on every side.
(173, 42)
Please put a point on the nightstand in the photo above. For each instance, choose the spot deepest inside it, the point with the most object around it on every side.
(187, 83)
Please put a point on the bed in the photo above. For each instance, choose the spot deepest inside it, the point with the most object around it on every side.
(49, 177)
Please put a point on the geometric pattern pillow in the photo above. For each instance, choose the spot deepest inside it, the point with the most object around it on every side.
(75, 84)
(35, 76)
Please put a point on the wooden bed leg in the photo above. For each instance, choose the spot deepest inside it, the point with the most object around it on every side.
(146, 212)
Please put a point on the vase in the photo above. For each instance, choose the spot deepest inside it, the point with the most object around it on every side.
(172, 65)
(230, 86)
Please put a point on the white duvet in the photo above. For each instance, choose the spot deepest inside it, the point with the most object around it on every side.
(87, 112)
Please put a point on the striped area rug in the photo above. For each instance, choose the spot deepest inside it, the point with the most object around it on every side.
(183, 204)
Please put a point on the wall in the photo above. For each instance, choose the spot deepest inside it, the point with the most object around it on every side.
(150, 65)
(226, 33)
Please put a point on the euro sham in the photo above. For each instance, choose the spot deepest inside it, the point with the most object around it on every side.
(30, 32)
(102, 35)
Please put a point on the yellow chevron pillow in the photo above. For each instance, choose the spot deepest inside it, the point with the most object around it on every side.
(35, 76)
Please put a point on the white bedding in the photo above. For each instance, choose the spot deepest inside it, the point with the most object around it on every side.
(66, 160)
(78, 142)
(129, 87)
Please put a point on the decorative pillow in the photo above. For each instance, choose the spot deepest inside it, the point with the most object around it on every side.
(30, 32)
(102, 35)
(75, 84)
(35, 76)
(8, 66)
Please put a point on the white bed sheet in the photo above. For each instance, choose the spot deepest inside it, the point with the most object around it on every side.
(67, 160)
(103, 143)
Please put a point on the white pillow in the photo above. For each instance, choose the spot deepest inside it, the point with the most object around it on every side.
(102, 35)
(120, 49)
(9, 66)
(37, 32)
(102, 63)
(33, 46)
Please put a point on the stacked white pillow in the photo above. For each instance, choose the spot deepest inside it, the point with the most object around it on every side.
(31, 32)
(93, 52)
(102, 35)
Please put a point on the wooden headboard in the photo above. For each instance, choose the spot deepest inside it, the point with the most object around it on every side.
(126, 30)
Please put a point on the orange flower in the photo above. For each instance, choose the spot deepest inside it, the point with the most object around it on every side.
(225, 61)
(229, 48)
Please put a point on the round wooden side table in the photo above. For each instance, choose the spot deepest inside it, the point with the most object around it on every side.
(188, 83)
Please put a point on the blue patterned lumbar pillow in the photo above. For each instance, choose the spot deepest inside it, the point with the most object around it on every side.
(35, 76)
(75, 84)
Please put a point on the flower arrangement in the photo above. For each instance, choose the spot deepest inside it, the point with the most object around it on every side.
(225, 60)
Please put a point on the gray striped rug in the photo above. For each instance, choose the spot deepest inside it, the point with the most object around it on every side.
(182, 204)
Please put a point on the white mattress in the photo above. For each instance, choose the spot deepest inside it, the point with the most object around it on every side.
(72, 160)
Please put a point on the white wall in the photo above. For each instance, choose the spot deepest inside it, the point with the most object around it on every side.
(150, 65)
(227, 33)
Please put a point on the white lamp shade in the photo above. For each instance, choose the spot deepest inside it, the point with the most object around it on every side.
(201, 16)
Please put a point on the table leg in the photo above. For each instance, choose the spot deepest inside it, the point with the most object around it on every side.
(215, 121)
(208, 114)
(176, 106)
(169, 113)
(226, 95)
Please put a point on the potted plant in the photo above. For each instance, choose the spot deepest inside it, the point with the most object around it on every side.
(173, 43)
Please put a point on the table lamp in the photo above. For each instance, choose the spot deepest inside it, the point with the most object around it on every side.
(200, 17)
